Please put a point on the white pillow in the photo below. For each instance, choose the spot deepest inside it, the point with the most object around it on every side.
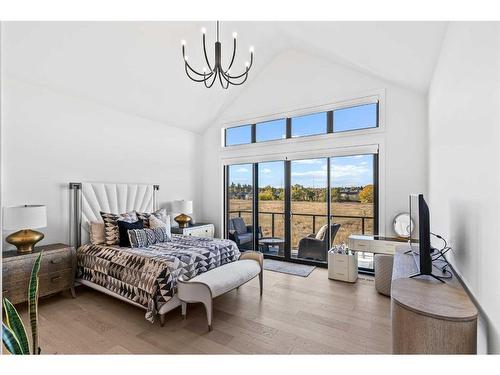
(154, 222)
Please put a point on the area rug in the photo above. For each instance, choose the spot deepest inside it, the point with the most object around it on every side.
(288, 268)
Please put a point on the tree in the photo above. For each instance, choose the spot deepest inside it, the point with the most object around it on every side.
(335, 195)
(366, 195)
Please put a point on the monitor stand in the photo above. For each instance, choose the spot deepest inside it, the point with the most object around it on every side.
(427, 274)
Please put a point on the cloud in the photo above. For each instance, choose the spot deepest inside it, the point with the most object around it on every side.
(266, 170)
(242, 170)
(317, 173)
(309, 161)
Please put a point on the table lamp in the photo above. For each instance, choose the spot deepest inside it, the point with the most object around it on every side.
(23, 219)
(184, 207)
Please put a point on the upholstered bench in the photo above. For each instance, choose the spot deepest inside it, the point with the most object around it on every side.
(205, 287)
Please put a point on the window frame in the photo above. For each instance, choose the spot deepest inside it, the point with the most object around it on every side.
(378, 98)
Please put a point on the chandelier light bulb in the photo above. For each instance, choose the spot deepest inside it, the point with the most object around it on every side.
(203, 30)
(183, 42)
(252, 49)
(247, 64)
(186, 58)
(235, 34)
(204, 69)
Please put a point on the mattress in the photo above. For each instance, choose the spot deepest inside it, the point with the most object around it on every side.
(148, 276)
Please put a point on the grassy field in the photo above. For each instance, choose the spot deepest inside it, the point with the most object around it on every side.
(303, 225)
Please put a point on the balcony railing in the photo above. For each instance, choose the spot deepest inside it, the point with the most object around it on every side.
(314, 216)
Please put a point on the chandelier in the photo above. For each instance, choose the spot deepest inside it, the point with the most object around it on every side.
(210, 74)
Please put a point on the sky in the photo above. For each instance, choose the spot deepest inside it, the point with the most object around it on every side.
(352, 118)
(354, 170)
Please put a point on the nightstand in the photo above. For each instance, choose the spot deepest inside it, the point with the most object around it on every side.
(196, 230)
(57, 271)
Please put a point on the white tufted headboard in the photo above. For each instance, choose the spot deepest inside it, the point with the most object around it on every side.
(89, 198)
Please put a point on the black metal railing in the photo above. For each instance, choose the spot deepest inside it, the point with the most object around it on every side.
(314, 216)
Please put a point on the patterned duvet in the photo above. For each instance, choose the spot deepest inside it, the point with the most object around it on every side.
(148, 276)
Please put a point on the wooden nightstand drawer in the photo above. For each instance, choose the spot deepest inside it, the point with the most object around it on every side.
(56, 281)
(196, 230)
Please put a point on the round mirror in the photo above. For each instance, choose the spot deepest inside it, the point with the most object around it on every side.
(402, 225)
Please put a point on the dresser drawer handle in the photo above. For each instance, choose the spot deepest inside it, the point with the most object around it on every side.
(55, 261)
(55, 278)
(5, 291)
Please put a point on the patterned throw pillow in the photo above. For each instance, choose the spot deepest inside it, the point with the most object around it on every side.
(111, 232)
(97, 233)
(159, 214)
(123, 228)
(154, 222)
(146, 237)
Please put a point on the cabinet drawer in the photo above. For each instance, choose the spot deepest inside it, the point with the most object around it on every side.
(361, 245)
(56, 261)
(56, 281)
(49, 283)
(206, 231)
(14, 270)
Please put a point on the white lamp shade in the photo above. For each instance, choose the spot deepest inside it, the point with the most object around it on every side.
(24, 217)
(182, 207)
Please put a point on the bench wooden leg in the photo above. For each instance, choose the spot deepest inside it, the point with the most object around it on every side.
(184, 309)
(261, 282)
(209, 309)
(162, 319)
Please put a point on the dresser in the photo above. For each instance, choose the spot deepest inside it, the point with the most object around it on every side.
(196, 230)
(57, 271)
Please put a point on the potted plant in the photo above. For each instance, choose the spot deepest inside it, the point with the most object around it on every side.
(14, 334)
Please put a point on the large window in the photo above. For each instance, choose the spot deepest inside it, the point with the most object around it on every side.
(355, 118)
(309, 125)
(349, 118)
(239, 135)
(304, 206)
(270, 130)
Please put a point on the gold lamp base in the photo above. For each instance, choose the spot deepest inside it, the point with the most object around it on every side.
(183, 220)
(25, 240)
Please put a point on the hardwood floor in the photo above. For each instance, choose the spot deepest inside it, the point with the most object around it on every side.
(296, 315)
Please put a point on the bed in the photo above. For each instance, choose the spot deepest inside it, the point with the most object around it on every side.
(144, 277)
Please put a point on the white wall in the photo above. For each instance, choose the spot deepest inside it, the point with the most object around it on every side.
(296, 80)
(464, 162)
(50, 139)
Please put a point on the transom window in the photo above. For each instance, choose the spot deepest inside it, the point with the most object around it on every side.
(349, 118)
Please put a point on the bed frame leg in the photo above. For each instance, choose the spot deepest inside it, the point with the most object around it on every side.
(184, 310)
(162, 319)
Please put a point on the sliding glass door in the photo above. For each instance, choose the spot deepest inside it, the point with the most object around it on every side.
(353, 198)
(271, 219)
(303, 207)
(239, 199)
(309, 209)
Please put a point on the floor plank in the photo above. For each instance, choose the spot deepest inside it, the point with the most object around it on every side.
(296, 315)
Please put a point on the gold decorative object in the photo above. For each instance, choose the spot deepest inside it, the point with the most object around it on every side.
(183, 220)
(184, 207)
(22, 218)
(25, 240)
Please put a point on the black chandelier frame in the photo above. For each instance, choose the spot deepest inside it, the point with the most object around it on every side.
(210, 75)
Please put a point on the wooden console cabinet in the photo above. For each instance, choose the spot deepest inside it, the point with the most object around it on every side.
(430, 317)
(57, 271)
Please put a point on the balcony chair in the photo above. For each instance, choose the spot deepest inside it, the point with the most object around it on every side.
(315, 246)
(241, 233)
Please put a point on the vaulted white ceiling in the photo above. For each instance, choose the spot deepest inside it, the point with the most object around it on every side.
(136, 67)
